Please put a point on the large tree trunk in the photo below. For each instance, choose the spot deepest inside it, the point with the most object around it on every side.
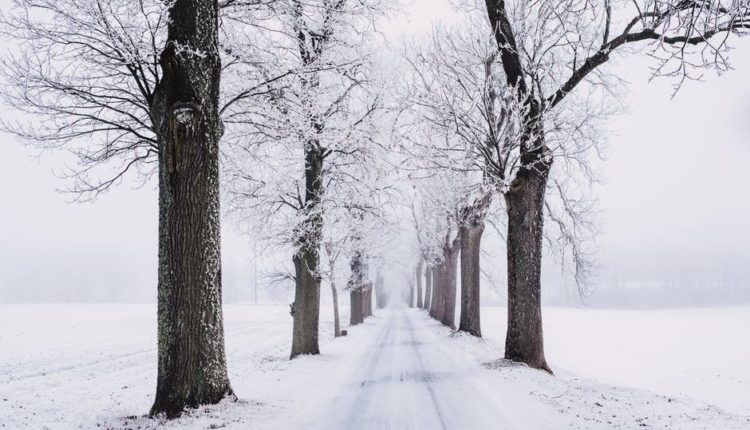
(471, 237)
(419, 284)
(450, 253)
(192, 363)
(307, 260)
(525, 203)
(306, 304)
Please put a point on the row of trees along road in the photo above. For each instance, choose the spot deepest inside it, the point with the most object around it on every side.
(496, 121)
(314, 136)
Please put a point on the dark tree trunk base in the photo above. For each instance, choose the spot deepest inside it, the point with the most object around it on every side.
(471, 237)
(524, 341)
(306, 305)
(174, 407)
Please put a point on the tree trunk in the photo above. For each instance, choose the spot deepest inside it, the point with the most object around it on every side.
(380, 295)
(357, 287)
(471, 237)
(428, 288)
(336, 320)
(356, 307)
(306, 304)
(192, 362)
(307, 259)
(450, 253)
(419, 284)
(525, 203)
(367, 311)
(437, 287)
(431, 308)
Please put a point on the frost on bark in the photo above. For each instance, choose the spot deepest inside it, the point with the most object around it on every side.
(191, 359)
(307, 259)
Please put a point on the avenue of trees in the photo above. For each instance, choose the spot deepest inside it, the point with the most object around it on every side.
(286, 116)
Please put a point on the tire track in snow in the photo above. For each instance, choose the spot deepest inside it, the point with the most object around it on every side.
(409, 378)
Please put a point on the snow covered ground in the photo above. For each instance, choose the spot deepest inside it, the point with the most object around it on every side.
(94, 366)
(702, 353)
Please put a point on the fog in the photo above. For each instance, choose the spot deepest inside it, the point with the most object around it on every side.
(673, 209)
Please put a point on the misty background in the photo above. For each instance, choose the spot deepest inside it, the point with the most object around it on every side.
(674, 208)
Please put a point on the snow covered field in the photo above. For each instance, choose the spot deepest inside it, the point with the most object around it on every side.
(93, 366)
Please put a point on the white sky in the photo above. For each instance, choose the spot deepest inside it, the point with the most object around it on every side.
(676, 197)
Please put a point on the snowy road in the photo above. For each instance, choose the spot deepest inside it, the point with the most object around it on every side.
(93, 366)
(412, 377)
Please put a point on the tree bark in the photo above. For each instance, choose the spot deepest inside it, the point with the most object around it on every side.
(471, 237)
(368, 301)
(357, 288)
(356, 307)
(450, 254)
(307, 260)
(524, 341)
(419, 284)
(428, 288)
(431, 308)
(336, 319)
(306, 304)
(191, 358)
(437, 293)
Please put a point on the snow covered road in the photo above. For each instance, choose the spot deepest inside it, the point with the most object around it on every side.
(411, 377)
(93, 366)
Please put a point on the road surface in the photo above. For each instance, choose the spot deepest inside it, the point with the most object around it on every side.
(411, 378)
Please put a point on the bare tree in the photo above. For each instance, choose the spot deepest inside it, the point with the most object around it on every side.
(551, 50)
(192, 362)
(297, 154)
(135, 86)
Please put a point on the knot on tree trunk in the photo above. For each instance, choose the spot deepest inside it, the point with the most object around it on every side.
(185, 118)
